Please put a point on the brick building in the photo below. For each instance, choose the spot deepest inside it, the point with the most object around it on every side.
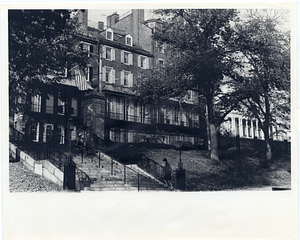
(107, 110)
(126, 47)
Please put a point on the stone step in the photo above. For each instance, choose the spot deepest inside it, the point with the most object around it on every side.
(101, 171)
(117, 188)
(125, 189)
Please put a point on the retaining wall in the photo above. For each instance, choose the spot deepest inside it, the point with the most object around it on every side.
(43, 168)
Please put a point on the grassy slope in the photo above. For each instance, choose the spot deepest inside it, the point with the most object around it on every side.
(235, 171)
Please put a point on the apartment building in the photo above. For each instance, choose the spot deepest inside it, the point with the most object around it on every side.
(98, 103)
(125, 48)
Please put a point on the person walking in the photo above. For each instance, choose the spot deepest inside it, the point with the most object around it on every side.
(167, 173)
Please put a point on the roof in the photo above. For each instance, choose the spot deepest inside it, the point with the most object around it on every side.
(63, 80)
(93, 35)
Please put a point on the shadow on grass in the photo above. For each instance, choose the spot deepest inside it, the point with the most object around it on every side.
(238, 170)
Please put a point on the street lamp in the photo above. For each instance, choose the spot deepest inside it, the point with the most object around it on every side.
(180, 172)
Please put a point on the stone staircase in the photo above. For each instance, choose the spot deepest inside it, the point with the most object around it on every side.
(113, 176)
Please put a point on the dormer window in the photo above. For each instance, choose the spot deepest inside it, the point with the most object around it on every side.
(128, 40)
(109, 34)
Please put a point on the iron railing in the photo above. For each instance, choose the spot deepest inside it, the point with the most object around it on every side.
(41, 151)
(152, 120)
(130, 176)
(151, 167)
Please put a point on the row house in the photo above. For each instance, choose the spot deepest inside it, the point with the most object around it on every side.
(122, 55)
(98, 103)
(52, 114)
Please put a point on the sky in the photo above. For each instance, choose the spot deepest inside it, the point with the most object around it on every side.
(95, 15)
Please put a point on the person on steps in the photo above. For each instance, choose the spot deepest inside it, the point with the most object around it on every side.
(167, 173)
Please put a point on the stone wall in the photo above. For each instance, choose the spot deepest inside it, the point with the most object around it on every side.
(43, 168)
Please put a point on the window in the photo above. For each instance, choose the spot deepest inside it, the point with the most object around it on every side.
(91, 49)
(143, 62)
(74, 107)
(61, 133)
(117, 135)
(160, 47)
(126, 79)
(108, 75)
(36, 103)
(160, 64)
(128, 40)
(34, 133)
(237, 126)
(109, 34)
(90, 74)
(125, 136)
(73, 132)
(48, 131)
(249, 128)
(108, 53)
(244, 127)
(126, 58)
(49, 104)
(60, 107)
(86, 47)
(176, 115)
(229, 123)
(254, 129)
(190, 95)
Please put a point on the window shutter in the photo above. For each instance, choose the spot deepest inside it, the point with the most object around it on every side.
(122, 77)
(139, 61)
(113, 76)
(147, 63)
(104, 74)
(130, 59)
(130, 80)
(91, 48)
(113, 54)
(122, 56)
(104, 51)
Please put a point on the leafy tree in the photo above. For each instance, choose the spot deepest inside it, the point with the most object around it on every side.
(262, 76)
(41, 42)
(197, 41)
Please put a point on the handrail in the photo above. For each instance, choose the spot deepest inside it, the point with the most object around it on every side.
(113, 161)
(41, 151)
(34, 149)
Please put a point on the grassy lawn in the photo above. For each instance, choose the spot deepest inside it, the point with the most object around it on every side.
(235, 171)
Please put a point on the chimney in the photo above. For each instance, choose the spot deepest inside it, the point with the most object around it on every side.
(83, 17)
(101, 26)
(138, 14)
(137, 28)
(112, 19)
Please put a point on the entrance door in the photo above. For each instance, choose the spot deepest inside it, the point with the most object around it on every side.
(47, 135)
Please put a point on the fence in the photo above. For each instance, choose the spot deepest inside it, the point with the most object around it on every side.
(42, 151)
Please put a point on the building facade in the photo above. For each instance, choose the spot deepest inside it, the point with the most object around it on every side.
(107, 110)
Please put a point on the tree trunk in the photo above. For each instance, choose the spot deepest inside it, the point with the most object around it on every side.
(268, 152)
(208, 131)
(268, 158)
(214, 154)
(266, 132)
